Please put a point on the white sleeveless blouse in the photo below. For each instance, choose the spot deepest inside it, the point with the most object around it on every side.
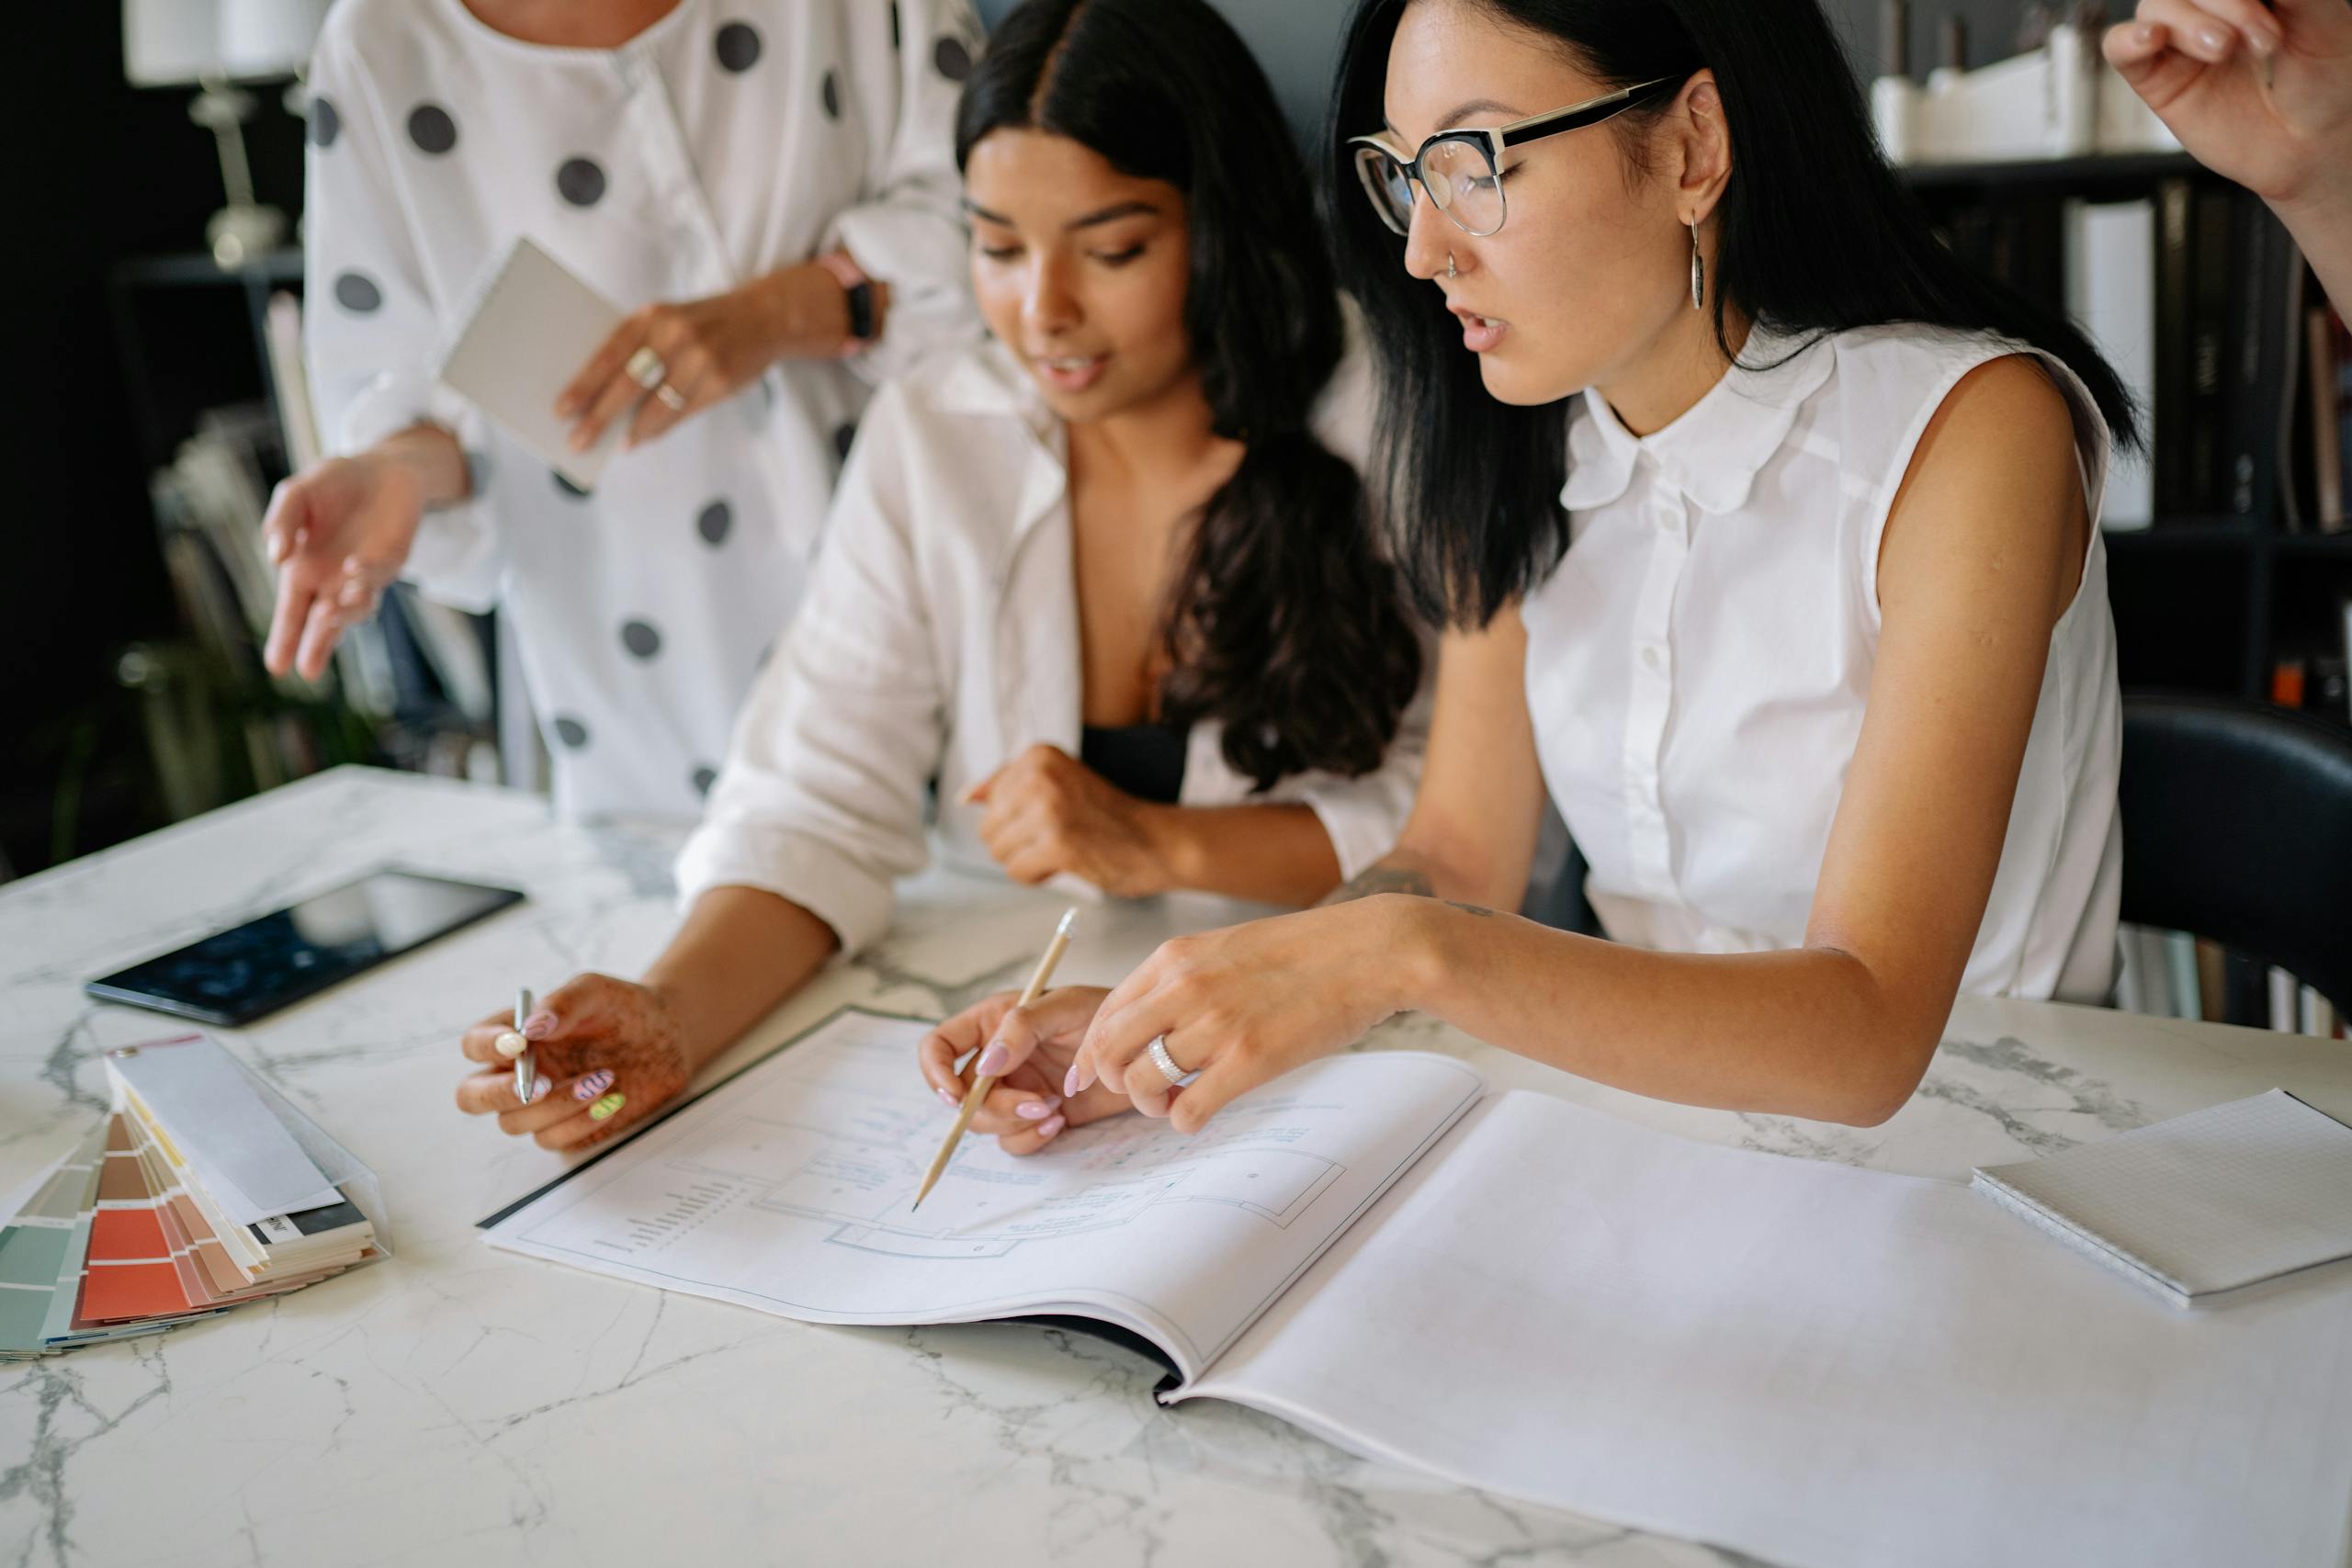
(1699, 663)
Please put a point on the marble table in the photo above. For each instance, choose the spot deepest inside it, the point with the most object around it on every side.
(460, 1405)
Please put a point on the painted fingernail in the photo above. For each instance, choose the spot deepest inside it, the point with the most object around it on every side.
(953, 1100)
(539, 1089)
(539, 1026)
(510, 1045)
(606, 1105)
(1070, 1083)
(1037, 1110)
(995, 1059)
(594, 1084)
(1047, 1129)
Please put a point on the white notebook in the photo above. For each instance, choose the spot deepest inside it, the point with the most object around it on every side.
(2204, 1203)
(1801, 1361)
(529, 326)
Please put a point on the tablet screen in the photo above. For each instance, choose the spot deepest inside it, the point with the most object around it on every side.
(240, 975)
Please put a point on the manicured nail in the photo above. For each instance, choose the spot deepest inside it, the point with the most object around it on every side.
(539, 1026)
(2213, 39)
(949, 1099)
(1047, 1129)
(1070, 1083)
(594, 1084)
(606, 1105)
(510, 1045)
(539, 1090)
(995, 1059)
(1035, 1110)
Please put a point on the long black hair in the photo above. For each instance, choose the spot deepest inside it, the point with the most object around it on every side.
(1814, 234)
(1282, 623)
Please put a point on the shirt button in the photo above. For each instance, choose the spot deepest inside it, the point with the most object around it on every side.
(1653, 656)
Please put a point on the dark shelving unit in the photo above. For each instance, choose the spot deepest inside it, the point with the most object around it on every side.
(2204, 603)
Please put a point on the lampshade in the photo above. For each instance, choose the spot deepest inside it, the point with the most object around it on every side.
(169, 43)
(269, 38)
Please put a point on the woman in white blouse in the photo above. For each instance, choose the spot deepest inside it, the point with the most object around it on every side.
(765, 184)
(1106, 585)
(1794, 605)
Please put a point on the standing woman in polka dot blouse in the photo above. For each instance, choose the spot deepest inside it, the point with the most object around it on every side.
(758, 181)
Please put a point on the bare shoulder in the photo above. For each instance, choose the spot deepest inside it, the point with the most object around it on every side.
(1993, 494)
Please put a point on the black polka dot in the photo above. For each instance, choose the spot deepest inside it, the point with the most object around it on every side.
(894, 24)
(479, 467)
(571, 731)
(705, 777)
(430, 126)
(566, 487)
(716, 519)
(844, 439)
(954, 60)
(357, 292)
(738, 46)
(832, 96)
(581, 181)
(324, 121)
(640, 638)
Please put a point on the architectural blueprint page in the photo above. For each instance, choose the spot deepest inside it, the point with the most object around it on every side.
(788, 1190)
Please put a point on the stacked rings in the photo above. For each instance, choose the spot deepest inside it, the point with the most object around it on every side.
(645, 368)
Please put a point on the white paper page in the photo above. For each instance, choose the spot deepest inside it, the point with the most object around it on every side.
(1811, 1363)
(532, 325)
(2207, 1202)
(788, 1189)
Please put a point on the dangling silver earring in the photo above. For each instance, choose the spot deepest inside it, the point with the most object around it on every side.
(1698, 270)
(1449, 265)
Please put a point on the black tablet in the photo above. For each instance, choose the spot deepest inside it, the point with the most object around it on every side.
(237, 975)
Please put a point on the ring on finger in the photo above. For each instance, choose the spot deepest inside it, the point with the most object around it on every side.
(1165, 1063)
(672, 399)
(646, 368)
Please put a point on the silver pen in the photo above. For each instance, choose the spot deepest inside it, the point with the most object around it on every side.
(526, 1072)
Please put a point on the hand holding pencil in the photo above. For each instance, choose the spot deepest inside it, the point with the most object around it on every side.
(1025, 1110)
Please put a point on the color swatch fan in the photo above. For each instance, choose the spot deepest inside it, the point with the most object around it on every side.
(201, 1190)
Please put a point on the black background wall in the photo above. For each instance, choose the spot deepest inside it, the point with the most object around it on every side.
(99, 172)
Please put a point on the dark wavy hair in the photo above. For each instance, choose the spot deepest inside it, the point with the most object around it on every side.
(1815, 235)
(1284, 623)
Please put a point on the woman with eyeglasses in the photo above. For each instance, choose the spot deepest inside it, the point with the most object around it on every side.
(1764, 531)
(1102, 593)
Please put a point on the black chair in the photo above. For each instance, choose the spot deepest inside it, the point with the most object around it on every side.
(2237, 826)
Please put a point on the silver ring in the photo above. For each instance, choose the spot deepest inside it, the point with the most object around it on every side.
(1165, 1063)
(645, 368)
(672, 399)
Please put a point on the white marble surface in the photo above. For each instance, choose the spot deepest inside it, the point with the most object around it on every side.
(461, 1405)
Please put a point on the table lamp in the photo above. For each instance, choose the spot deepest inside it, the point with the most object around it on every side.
(212, 44)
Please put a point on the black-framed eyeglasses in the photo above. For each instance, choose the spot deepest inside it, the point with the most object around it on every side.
(1461, 169)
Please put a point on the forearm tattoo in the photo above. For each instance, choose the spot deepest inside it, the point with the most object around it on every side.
(1381, 878)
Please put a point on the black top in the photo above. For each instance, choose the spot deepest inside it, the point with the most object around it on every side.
(1145, 759)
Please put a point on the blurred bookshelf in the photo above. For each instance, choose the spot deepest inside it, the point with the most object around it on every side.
(2232, 572)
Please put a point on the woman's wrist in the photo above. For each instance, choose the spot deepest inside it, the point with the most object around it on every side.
(1174, 844)
(1406, 942)
(426, 464)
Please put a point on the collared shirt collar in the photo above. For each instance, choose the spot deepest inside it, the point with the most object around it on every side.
(1713, 452)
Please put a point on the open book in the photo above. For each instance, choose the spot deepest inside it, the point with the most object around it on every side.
(1808, 1362)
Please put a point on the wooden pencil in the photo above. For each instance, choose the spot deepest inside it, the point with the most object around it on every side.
(1039, 979)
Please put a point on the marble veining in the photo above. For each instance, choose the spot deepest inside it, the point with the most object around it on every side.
(459, 1405)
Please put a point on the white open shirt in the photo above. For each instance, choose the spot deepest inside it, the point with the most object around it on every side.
(1699, 664)
(722, 142)
(940, 640)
